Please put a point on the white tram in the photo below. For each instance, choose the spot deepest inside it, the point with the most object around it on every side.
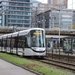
(29, 42)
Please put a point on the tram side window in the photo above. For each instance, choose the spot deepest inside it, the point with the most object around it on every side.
(0, 42)
(8, 42)
(15, 42)
(26, 43)
(22, 42)
(12, 43)
(3, 42)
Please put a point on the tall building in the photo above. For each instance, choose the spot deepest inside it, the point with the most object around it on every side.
(50, 19)
(58, 3)
(15, 13)
(42, 7)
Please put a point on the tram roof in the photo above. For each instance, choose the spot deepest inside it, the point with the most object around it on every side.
(23, 32)
(32, 29)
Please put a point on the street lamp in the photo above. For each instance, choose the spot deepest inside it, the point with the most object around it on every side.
(59, 27)
(59, 21)
(59, 32)
(72, 16)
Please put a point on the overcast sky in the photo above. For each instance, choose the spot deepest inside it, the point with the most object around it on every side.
(69, 3)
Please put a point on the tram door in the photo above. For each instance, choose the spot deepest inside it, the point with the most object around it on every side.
(21, 45)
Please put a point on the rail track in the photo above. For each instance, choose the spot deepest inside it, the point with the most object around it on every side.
(62, 64)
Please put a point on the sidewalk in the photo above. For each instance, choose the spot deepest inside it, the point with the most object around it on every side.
(10, 69)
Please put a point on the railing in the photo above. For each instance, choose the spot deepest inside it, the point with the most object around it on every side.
(59, 54)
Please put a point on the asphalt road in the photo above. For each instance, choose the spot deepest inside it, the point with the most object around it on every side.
(10, 69)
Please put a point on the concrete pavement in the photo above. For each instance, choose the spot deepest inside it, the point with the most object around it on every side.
(10, 69)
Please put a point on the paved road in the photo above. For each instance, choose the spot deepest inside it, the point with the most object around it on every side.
(10, 69)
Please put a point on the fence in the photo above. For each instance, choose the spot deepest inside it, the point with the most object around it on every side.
(58, 53)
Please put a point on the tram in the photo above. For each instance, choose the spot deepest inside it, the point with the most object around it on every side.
(29, 42)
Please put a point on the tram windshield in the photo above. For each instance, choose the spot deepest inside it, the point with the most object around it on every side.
(37, 38)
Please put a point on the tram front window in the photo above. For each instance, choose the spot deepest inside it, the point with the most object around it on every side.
(37, 38)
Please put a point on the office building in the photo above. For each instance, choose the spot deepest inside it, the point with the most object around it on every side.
(42, 7)
(51, 19)
(15, 13)
(58, 3)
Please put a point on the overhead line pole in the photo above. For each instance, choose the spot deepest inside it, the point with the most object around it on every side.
(72, 16)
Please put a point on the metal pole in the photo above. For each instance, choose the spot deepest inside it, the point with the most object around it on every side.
(59, 34)
(72, 15)
(43, 20)
(59, 26)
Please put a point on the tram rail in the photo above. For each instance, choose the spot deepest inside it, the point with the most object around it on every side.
(59, 63)
(62, 64)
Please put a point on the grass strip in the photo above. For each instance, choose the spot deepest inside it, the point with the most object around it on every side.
(32, 64)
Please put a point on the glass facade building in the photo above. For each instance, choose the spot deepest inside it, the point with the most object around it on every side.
(15, 13)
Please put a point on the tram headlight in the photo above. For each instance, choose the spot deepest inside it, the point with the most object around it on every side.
(33, 48)
(36, 49)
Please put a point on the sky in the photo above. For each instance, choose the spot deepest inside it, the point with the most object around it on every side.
(69, 3)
